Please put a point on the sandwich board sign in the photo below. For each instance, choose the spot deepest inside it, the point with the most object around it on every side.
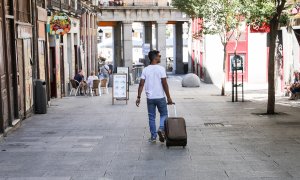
(124, 70)
(120, 88)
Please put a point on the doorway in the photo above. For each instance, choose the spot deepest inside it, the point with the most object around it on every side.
(12, 71)
(76, 60)
(62, 73)
(53, 72)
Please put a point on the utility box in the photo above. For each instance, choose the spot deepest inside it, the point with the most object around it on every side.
(40, 97)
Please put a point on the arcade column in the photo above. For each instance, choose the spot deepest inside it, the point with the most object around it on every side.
(179, 48)
(161, 41)
(127, 44)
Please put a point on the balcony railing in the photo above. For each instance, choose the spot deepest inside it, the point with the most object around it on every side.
(103, 3)
(69, 5)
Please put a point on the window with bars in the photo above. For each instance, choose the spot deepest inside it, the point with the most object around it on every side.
(23, 12)
(41, 3)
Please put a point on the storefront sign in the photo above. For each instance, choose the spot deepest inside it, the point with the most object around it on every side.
(24, 32)
(60, 24)
(263, 28)
(42, 14)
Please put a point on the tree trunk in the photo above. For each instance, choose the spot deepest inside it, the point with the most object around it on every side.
(271, 69)
(224, 70)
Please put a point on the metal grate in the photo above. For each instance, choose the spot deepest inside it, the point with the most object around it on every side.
(213, 124)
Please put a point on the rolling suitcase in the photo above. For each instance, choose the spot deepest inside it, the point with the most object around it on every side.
(175, 131)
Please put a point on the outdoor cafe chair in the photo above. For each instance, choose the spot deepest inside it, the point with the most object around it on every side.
(103, 86)
(95, 87)
(74, 86)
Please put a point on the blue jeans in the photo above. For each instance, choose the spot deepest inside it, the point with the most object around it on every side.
(161, 105)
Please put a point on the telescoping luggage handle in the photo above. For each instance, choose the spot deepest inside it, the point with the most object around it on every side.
(175, 111)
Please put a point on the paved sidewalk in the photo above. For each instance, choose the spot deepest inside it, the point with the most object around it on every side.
(86, 138)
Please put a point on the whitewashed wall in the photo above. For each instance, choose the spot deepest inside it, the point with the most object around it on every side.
(257, 58)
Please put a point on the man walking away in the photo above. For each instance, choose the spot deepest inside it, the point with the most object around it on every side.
(154, 78)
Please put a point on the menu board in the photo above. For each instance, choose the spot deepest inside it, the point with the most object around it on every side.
(123, 70)
(119, 86)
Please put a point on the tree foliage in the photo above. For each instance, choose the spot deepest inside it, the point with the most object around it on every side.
(219, 16)
(264, 11)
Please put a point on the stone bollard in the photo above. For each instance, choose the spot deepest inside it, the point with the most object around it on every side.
(191, 80)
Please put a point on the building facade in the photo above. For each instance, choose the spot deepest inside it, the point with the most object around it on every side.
(158, 13)
(207, 57)
(17, 62)
(32, 51)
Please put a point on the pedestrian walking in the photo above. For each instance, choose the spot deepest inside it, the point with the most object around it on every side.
(154, 78)
(105, 71)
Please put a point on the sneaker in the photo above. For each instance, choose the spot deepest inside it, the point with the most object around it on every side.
(152, 140)
(161, 135)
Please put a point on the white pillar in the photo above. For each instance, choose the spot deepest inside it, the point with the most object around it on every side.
(161, 41)
(127, 44)
(190, 45)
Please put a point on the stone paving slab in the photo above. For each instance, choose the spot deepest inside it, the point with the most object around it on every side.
(86, 138)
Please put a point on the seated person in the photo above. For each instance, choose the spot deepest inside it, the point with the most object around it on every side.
(91, 78)
(295, 87)
(82, 84)
(296, 79)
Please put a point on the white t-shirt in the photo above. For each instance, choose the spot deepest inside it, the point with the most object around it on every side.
(153, 85)
(90, 80)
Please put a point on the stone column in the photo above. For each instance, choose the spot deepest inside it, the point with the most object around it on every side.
(190, 45)
(118, 45)
(127, 44)
(148, 39)
(148, 33)
(179, 48)
(161, 41)
(92, 57)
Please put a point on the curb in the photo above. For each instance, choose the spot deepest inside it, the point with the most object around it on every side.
(15, 125)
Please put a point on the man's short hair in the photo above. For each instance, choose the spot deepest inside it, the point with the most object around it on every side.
(152, 55)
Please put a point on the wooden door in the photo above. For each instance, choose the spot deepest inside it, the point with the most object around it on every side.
(28, 75)
(20, 78)
(76, 61)
(53, 72)
(4, 107)
(62, 72)
(42, 61)
(12, 76)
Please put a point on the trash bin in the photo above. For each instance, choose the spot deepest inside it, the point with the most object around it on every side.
(40, 97)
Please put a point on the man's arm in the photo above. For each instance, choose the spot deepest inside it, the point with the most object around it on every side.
(141, 87)
(166, 89)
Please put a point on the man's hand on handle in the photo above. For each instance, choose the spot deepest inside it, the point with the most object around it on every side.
(138, 102)
(170, 102)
